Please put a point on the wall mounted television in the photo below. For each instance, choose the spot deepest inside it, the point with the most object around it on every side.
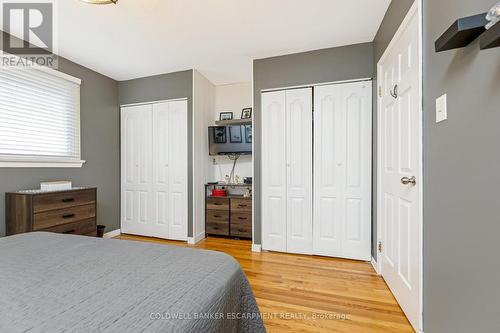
(230, 140)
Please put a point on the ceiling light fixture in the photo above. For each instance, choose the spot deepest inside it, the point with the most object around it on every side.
(101, 2)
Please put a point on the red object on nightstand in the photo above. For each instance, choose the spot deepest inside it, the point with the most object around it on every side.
(219, 193)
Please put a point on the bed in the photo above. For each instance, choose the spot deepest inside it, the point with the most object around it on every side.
(54, 283)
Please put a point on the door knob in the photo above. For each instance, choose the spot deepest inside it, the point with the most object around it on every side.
(409, 180)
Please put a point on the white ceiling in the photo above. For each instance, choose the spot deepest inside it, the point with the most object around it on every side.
(137, 38)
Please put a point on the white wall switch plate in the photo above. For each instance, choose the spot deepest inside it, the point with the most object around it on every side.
(441, 108)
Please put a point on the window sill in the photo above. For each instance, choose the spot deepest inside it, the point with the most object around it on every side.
(41, 163)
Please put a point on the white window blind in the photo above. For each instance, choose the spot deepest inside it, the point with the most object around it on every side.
(39, 116)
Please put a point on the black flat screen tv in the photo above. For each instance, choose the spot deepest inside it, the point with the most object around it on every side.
(230, 140)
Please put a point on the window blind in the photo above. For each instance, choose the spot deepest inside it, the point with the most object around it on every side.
(39, 114)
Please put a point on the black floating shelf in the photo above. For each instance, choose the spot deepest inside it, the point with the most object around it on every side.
(462, 32)
(491, 38)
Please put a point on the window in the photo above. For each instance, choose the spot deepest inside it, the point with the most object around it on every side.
(39, 118)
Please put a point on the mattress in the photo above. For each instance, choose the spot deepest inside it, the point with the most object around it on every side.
(67, 283)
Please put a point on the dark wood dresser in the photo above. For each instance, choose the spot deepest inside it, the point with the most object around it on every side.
(229, 216)
(68, 212)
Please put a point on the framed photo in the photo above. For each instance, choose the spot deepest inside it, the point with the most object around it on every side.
(248, 133)
(235, 134)
(220, 134)
(225, 116)
(246, 113)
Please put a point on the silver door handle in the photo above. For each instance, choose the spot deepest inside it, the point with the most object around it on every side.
(409, 180)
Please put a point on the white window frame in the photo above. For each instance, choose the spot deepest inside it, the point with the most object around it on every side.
(45, 161)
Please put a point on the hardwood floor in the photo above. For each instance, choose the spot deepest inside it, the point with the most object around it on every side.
(299, 293)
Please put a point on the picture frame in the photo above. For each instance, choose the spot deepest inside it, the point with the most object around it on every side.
(246, 113)
(225, 116)
(220, 134)
(235, 134)
(248, 133)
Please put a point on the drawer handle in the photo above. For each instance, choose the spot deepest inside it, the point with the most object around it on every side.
(68, 216)
(68, 199)
(72, 231)
(217, 216)
(242, 218)
(240, 205)
(217, 204)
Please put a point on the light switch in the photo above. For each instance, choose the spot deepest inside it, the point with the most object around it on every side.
(441, 109)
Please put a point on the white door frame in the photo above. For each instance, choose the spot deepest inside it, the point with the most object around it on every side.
(415, 8)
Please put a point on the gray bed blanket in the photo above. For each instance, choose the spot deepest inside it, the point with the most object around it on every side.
(66, 283)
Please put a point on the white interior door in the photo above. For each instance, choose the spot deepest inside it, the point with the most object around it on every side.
(400, 183)
(178, 166)
(342, 170)
(299, 213)
(136, 168)
(274, 177)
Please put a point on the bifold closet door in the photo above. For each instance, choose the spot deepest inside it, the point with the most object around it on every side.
(342, 170)
(287, 170)
(274, 177)
(136, 169)
(154, 170)
(170, 169)
(299, 170)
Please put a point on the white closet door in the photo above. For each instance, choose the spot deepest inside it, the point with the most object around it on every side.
(178, 165)
(299, 170)
(342, 169)
(273, 166)
(136, 151)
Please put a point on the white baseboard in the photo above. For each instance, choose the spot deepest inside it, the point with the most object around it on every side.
(197, 238)
(256, 248)
(112, 234)
(375, 266)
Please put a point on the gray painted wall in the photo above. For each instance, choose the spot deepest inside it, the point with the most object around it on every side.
(100, 148)
(392, 20)
(461, 179)
(327, 65)
(163, 87)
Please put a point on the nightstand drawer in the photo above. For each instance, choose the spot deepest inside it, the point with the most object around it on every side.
(217, 215)
(217, 228)
(241, 225)
(86, 227)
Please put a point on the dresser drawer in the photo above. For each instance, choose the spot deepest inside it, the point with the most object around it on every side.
(85, 227)
(217, 215)
(57, 217)
(58, 200)
(241, 225)
(218, 203)
(217, 228)
(241, 205)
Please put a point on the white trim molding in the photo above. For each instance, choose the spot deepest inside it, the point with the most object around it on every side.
(112, 234)
(196, 239)
(256, 248)
(375, 266)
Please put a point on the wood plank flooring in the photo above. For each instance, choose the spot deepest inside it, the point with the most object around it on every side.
(299, 293)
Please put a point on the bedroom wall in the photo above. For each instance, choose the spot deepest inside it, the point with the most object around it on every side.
(327, 65)
(231, 98)
(163, 87)
(392, 20)
(100, 144)
(461, 178)
(203, 107)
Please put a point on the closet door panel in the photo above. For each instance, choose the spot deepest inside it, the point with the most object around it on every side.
(178, 165)
(161, 179)
(358, 168)
(136, 152)
(299, 170)
(274, 171)
(328, 171)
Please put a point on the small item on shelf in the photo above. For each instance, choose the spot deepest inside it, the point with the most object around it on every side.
(248, 193)
(237, 179)
(227, 179)
(56, 186)
(222, 192)
(225, 116)
(246, 113)
(247, 180)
